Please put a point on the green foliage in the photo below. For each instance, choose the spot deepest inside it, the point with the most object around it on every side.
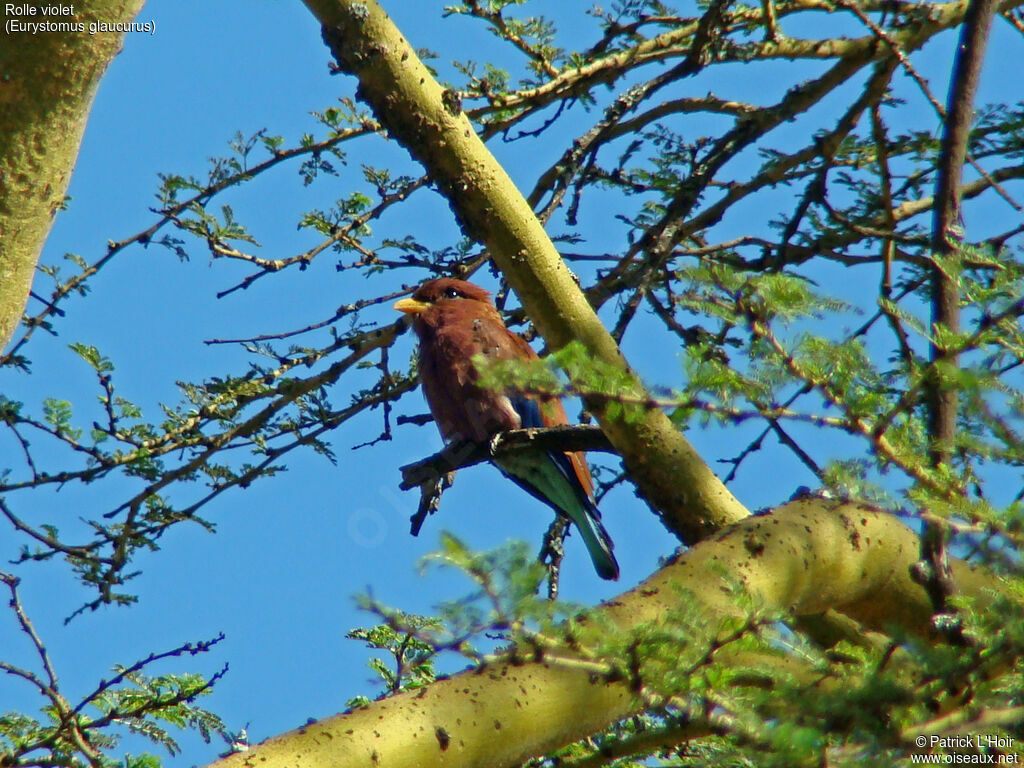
(790, 702)
(502, 607)
(129, 702)
(268, 411)
(412, 657)
(533, 36)
(537, 377)
(605, 383)
(57, 413)
(149, 703)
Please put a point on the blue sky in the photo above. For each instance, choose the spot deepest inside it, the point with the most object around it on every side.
(279, 576)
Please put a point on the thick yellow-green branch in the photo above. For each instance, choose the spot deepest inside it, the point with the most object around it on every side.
(47, 83)
(429, 122)
(804, 558)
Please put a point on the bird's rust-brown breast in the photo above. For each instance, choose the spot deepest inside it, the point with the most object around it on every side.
(451, 333)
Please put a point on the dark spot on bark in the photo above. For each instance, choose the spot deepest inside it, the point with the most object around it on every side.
(452, 101)
(443, 739)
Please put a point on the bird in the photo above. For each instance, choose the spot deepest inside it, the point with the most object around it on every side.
(455, 320)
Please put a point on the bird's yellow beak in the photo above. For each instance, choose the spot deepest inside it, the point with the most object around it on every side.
(410, 306)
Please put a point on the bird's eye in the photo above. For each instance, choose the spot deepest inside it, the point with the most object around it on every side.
(452, 293)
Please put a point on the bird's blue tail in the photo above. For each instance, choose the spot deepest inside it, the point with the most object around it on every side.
(550, 478)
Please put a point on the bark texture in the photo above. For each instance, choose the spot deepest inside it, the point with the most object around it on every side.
(48, 80)
(804, 558)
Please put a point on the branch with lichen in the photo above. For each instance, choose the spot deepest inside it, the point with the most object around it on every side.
(415, 110)
(779, 564)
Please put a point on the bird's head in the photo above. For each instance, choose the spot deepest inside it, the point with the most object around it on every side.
(440, 293)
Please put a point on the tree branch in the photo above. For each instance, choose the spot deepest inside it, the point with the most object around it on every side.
(579, 437)
(434, 474)
(49, 81)
(943, 399)
(512, 709)
(428, 120)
